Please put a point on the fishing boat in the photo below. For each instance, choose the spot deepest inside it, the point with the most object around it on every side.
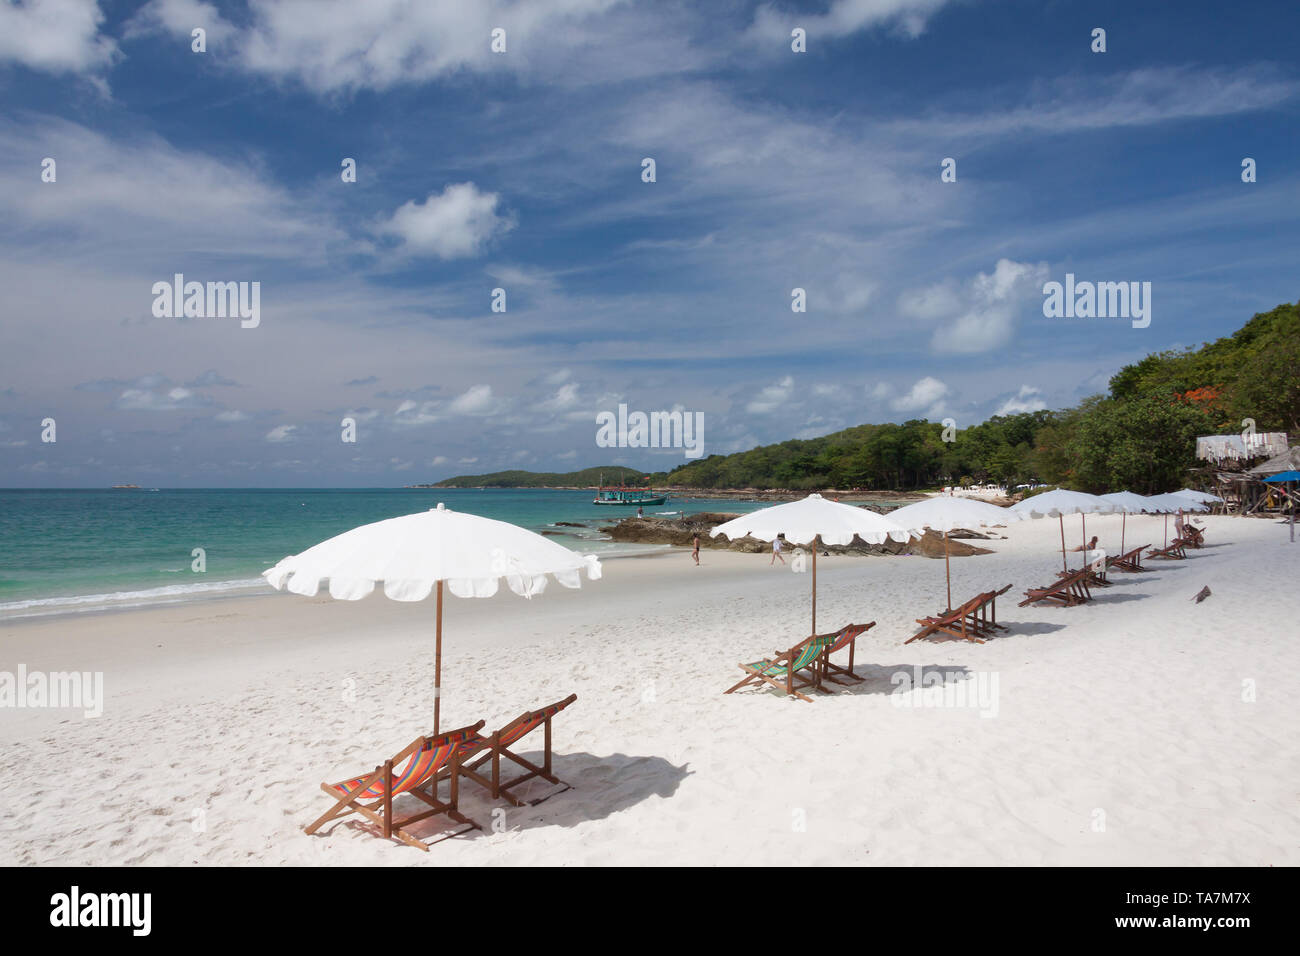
(625, 495)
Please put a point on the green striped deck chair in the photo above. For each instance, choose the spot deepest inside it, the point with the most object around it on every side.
(498, 745)
(782, 670)
(426, 758)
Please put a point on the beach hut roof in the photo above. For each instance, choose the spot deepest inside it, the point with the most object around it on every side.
(1287, 461)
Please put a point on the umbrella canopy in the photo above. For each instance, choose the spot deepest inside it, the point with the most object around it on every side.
(1061, 502)
(945, 513)
(1129, 504)
(1202, 496)
(1285, 476)
(804, 521)
(1166, 504)
(415, 553)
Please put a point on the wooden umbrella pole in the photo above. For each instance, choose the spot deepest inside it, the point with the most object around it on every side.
(1064, 566)
(814, 586)
(437, 667)
(947, 570)
(1123, 523)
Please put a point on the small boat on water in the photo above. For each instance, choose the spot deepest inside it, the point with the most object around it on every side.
(624, 495)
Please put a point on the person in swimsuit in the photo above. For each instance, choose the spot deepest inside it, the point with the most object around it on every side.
(695, 552)
(776, 551)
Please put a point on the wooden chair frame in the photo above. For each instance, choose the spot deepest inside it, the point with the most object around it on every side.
(959, 622)
(807, 654)
(1177, 551)
(1070, 590)
(380, 810)
(845, 637)
(1130, 561)
(498, 745)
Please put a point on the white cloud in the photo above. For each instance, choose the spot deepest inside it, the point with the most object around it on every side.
(926, 394)
(772, 397)
(453, 224)
(416, 413)
(439, 460)
(476, 400)
(1028, 399)
(980, 315)
(281, 433)
(845, 17)
(564, 398)
(179, 18)
(340, 45)
(145, 400)
(233, 415)
(56, 36)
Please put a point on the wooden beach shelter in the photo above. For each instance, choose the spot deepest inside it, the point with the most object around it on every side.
(416, 554)
(945, 514)
(811, 520)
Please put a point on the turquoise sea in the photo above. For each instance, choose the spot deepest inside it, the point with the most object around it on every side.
(71, 550)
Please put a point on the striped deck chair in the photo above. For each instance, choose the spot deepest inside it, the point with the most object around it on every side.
(846, 636)
(782, 669)
(425, 758)
(498, 745)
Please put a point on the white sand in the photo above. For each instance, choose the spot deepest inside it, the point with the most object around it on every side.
(1121, 735)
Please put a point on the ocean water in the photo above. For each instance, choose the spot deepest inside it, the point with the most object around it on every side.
(80, 550)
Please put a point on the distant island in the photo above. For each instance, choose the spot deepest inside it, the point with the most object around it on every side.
(586, 478)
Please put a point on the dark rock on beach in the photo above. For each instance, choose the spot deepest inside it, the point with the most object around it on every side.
(681, 532)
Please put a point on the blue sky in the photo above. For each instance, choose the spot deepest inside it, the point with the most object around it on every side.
(522, 171)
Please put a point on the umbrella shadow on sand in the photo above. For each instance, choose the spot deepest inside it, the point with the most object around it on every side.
(598, 787)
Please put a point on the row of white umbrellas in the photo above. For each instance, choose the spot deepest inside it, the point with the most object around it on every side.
(414, 555)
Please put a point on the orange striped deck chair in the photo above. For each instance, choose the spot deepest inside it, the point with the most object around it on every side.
(426, 758)
(846, 636)
(498, 745)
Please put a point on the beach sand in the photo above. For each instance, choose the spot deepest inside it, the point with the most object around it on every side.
(1141, 729)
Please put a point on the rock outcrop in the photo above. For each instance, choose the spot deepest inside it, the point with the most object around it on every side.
(682, 531)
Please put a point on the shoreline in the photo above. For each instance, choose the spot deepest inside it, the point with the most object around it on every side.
(238, 591)
(1132, 703)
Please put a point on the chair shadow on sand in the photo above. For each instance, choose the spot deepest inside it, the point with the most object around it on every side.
(598, 787)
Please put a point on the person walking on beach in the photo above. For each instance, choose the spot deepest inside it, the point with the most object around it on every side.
(776, 551)
(695, 550)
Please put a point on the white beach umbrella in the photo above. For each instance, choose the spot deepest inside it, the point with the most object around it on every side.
(1171, 503)
(808, 519)
(1061, 502)
(1127, 503)
(413, 554)
(1203, 497)
(945, 513)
